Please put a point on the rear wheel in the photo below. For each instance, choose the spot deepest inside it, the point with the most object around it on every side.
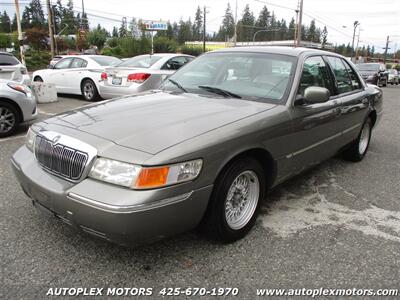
(385, 82)
(38, 79)
(89, 90)
(359, 147)
(235, 201)
(9, 120)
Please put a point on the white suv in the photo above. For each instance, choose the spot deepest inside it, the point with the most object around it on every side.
(12, 69)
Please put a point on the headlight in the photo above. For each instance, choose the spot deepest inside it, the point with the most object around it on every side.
(137, 177)
(20, 88)
(30, 139)
(371, 77)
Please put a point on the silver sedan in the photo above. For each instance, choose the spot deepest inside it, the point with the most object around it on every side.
(17, 105)
(140, 73)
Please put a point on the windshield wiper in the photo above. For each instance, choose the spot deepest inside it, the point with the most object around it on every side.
(177, 84)
(222, 92)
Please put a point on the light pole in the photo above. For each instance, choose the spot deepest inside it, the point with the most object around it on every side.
(356, 23)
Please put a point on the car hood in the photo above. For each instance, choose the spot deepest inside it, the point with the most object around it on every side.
(154, 121)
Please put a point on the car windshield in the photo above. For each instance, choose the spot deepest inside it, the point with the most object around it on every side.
(393, 71)
(106, 60)
(142, 61)
(8, 60)
(368, 67)
(247, 75)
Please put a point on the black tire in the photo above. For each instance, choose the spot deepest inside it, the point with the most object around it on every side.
(385, 82)
(38, 79)
(214, 224)
(354, 153)
(89, 90)
(8, 113)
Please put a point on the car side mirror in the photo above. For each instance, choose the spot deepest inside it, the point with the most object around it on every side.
(316, 94)
(50, 67)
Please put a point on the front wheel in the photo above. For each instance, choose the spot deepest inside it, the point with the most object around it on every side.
(358, 149)
(9, 120)
(235, 200)
(38, 79)
(385, 82)
(89, 90)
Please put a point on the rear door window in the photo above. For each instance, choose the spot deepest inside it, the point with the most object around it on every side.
(78, 63)
(175, 63)
(343, 81)
(355, 81)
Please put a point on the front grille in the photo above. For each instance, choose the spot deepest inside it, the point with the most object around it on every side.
(60, 159)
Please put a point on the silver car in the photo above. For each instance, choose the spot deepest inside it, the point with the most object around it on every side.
(140, 73)
(204, 149)
(12, 69)
(17, 105)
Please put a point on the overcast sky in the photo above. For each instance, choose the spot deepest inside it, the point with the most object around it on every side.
(378, 18)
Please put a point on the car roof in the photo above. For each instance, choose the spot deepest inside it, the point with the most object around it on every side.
(6, 53)
(291, 51)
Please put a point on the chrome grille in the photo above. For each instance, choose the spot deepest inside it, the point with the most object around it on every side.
(60, 159)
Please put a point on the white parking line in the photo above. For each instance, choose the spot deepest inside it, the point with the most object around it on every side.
(45, 113)
(12, 138)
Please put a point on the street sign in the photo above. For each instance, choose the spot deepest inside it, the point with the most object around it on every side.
(155, 25)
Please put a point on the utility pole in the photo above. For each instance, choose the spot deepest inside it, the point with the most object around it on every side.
(356, 23)
(299, 24)
(204, 29)
(386, 49)
(83, 14)
(50, 22)
(235, 29)
(20, 38)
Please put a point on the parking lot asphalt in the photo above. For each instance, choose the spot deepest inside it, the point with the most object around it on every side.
(335, 226)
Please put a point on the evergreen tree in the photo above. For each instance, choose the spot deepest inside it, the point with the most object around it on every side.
(123, 31)
(263, 22)
(311, 32)
(14, 23)
(291, 30)
(68, 18)
(324, 36)
(197, 28)
(246, 25)
(5, 22)
(185, 31)
(115, 32)
(37, 14)
(134, 28)
(227, 29)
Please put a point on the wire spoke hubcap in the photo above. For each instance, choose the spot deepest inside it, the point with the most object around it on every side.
(242, 199)
(7, 120)
(364, 138)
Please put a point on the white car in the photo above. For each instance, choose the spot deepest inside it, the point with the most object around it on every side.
(140, 73)
(77, 74)
(12, 69)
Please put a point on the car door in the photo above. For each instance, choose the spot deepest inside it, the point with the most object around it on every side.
(74, 75)
(57, 75)
(316, 127)
(352, 95)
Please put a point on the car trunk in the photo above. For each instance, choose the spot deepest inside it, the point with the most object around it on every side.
(10, 73)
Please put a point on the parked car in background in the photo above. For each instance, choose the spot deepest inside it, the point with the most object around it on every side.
(374, 73)
(12, 69)
(202, 150)
(77, 74)
(140, 73)
(17, 105)
(393, 76)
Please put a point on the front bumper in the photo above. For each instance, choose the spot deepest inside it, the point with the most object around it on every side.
(113, 213)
